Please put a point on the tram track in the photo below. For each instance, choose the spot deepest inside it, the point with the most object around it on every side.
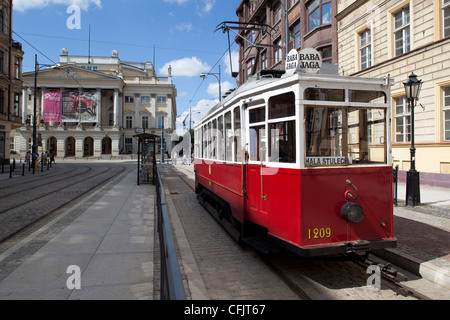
(14, 185)
(329, 277)
(33, 211)
(41, 188)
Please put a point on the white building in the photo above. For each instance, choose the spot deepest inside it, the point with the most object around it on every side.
(93, 106)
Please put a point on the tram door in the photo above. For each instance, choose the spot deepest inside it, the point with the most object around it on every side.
(256, 144)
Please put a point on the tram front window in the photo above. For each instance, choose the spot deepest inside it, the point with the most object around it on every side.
(345, 136)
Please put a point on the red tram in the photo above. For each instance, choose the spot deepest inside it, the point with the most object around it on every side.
(302, 161)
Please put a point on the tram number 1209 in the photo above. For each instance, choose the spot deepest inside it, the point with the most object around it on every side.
(319, 233)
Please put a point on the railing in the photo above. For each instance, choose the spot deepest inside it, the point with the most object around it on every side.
(171, 281)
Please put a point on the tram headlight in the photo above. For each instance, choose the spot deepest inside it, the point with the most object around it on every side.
(352, 212)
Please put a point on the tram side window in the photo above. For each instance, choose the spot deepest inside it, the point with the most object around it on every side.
(282, 106)
(282, 142)
(221, 140)
(282, 136)
(214, 139)
(228, 137)
(257, 143)
(204, 142)
(237, 134)
(209, 145)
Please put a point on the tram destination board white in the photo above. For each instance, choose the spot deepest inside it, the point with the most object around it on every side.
(309, 60)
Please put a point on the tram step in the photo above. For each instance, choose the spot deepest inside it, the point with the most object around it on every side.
(257, 243)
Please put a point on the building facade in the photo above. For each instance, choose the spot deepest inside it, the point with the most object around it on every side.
(93, 106)
(11, 56)
(398, 37)
(270, 28)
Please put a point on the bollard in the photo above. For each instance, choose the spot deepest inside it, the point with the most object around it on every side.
(23, 170)
(10, 171)
(14, 164)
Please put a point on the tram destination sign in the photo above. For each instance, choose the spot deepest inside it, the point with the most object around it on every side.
(309, 60)
(327, 161)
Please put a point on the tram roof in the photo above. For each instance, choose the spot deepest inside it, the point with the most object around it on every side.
(262, 81)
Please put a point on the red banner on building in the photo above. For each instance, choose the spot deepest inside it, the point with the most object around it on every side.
(51, 106)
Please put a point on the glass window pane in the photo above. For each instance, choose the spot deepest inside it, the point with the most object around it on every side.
(257, 115)
(282, 106)
(282, 142)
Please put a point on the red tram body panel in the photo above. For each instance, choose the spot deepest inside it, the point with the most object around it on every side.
(331, 193)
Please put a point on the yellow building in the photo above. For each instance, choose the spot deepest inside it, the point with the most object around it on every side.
(93, 106)
(398, 37)
(11, 55)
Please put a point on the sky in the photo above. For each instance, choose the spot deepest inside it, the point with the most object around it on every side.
(180, 33)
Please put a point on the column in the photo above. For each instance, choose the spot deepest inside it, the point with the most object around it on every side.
(116, 107)
(24, 105)
(137, 118)
(153, 104)
(170, 113)
(99, 106)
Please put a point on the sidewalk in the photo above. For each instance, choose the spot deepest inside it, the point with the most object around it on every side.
(423, 234)
(112, 244)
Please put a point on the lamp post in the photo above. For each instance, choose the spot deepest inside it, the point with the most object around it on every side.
(203, 76)
(37, 67)
(412, 90)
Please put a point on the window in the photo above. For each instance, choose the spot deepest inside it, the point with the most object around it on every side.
(17, 67)
(277, 14)
(365, 49)
(128, 145)
(220, 138)
(129, 99)
(161, 122)
(402, 32)
(1, 61)
(145, 99)
(237, 134)
(228, 137)
(16, 111)
(319, 13)
(128, 122)
(250, 38)
(402, 120)
(446, 17)
(250, 64)
(327, 54)
(341, 136)
(282, 137)
(145, 122)
(278, 51)
(446, 115)
(162, 99)
(292, 3)
(264, 64)
(294, 34)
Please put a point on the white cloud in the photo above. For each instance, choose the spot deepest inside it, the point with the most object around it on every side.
(186, 67)
(24, 5)
(205, 7)
(184, 27)
(213, 88)
(198, 112)
(234, 61)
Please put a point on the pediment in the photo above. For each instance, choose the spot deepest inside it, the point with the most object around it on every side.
(70, 72)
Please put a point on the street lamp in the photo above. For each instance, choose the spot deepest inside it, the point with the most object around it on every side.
(203, 76)
(412, 90)
(37, 67)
